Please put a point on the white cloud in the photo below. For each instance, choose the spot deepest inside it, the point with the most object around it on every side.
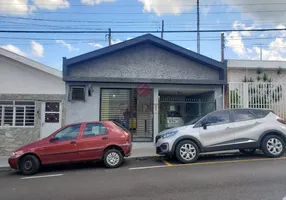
(238, 25)
(115, 41)
(93, 2)
(15, 7)
(37, 49)
(23, 7)
(67, 45)
(51, 4)
(235, 42)
(168, 6)
(255, 8)
(13, 49)
(97, 45)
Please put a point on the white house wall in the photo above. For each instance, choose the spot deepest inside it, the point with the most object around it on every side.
(17, 78)
(237, 75)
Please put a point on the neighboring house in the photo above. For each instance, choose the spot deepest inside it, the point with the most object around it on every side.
(257, 84)
(31, 101)
(238, 70)
(138, 82)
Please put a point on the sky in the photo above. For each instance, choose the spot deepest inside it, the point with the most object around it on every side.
(142, 15)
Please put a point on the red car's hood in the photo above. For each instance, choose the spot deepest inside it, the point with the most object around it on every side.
(33, 145)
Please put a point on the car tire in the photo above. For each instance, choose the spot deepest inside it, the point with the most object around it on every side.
(112, 158)
(247, 151)
(29, 165)
(187, 151)
(273, 146)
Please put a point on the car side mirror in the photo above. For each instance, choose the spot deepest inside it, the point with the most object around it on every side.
(205, 125)
(52, 139)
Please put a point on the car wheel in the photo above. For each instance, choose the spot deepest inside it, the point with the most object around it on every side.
(187, 151)
(29, 165)
(112, 158)
(247, 151)
(273, 146)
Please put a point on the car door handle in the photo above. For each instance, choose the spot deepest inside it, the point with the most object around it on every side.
(104, 138)
(73, 142)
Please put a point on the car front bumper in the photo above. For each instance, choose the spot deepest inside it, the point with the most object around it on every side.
(13, 162)
(163, 146)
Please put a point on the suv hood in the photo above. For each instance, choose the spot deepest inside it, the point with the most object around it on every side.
(175, 129)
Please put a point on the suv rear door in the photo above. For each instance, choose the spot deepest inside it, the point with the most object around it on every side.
(245, 128)
(218, 134)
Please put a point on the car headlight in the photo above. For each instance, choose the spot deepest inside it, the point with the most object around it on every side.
(169, 134)
(13, 154)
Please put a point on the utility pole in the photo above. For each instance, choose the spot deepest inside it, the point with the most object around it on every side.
(260, 52)
(162, 32)
(198, 27)
(109, 37)
(222, 47)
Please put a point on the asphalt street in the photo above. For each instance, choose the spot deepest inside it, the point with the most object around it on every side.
(224, 177)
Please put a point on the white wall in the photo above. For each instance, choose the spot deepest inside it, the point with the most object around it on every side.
(238, 69)
(17, 78)
(79, 111)
(237, 75)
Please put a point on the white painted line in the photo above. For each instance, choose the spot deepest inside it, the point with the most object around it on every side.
(149, 167)
(46, 176)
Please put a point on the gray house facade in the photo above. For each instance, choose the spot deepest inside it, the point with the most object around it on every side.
(146, 84)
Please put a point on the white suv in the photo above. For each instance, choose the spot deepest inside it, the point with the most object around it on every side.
(243, 129)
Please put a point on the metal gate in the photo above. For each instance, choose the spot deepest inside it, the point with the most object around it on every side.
(131, 109)
(258, 95)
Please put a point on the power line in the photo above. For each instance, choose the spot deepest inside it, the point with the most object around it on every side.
(125, 13)
(147, 31)
(163, 5)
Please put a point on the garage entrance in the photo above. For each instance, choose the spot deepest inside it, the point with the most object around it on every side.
(178, 107)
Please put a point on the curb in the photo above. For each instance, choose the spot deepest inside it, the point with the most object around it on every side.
(4, 169)
(145, 157)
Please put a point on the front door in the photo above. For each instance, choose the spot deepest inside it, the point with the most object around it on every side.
(218, 134)
(64, 147)
(51, 118)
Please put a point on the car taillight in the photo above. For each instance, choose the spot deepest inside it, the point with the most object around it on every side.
(281, 120)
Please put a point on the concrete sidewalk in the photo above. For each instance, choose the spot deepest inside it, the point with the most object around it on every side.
(4, 163)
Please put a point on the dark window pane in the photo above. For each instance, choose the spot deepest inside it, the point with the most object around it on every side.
(0, 115)
(6, 102)
(52, 117)
(25, 103)
(94, 130)
(259, 113)
(69, 133)
(242, 115)
(19, 116)
(78, 93)
(218, 117)
(52, 107)
(8, 116)
(174, 114)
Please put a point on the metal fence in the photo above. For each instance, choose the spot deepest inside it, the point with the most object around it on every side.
(258, 95)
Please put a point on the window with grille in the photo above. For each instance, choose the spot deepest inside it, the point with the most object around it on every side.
(77, 93)
(17, 113)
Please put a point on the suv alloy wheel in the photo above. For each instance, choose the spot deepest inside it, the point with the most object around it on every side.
(187, 151)
(273, 146)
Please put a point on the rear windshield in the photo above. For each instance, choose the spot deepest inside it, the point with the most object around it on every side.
(174, 114)
(120, 126)
(260, 113)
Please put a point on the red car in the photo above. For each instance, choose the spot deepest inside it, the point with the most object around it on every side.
(84, 141)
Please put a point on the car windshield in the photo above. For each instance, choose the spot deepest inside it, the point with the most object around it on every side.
(174, 114)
